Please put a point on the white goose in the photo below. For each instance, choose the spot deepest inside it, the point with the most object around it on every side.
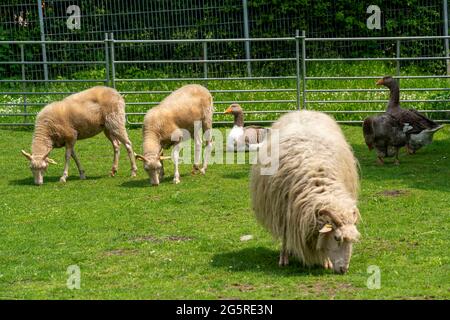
(243, 138)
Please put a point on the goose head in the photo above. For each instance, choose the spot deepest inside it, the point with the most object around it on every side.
(387, 81)
(237, 112)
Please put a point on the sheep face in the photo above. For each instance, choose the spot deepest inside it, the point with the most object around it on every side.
(153, 168)
(38, 166)
(336, 242)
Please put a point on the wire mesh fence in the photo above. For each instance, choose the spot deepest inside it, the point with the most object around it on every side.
(269, 76)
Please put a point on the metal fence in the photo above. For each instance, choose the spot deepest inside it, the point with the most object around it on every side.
(304, 77)
(218, 19)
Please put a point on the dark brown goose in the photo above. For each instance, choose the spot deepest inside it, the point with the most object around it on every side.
(384, 134)
(418, 128)
(243, 138)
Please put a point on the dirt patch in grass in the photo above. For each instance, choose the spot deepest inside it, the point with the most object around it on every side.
(147, 238)
(178, 238)
(330, 290)
(121, 252)
(243, 287)
(154, 239)
(393, 193)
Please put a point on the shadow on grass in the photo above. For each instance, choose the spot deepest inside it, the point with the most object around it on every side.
(241, 174)
(144, 183)
(261, 259)
(51, 179)
(428, 169)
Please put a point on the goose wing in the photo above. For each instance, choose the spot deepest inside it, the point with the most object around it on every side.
(417, 121)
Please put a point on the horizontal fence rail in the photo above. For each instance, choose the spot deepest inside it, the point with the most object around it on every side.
(283, 83)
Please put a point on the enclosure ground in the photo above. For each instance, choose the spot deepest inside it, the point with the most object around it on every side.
(134, 241)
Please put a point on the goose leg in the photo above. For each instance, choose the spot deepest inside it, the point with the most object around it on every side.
(380, 161)
(396, 162)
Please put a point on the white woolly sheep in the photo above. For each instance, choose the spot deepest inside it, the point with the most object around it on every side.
(79, 116)
(163, 126)
(310, 201)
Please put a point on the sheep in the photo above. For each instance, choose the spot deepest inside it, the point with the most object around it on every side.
(164, 124)
(310, 200)
(79, 116)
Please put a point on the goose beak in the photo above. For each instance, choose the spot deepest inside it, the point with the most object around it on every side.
(228, 110)
(380, 82)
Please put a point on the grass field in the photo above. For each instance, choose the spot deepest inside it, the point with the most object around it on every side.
(182, 241)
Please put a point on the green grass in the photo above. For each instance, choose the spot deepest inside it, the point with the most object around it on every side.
(133, 241)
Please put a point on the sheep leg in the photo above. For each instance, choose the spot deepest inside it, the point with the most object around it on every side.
(197, 151)
(207, 153)
(176, 157)
(77, 162)
(116, 147)
(284, 255)
(69, 150)
(123, 137)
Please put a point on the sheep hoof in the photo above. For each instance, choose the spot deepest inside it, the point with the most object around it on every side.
(62, 179)
(284, 260)
(202, 170)
(195, 170)
(113, 172)
(133, 173)
(82, 176)
(397, 163)
(176, 181)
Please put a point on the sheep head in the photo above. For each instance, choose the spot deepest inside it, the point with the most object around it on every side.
(38, 166)
(153, 166)
(336, 238)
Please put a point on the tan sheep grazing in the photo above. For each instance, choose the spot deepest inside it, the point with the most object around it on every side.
(310, 200)
(164, 124)
(79, 116)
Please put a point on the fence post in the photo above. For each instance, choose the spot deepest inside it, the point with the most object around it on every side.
(107, 79)
(205, 64)
(397, 60)
(297, 60)
(24, 85)
(247, 36)
(446, 34)
(44, 50)
(113, 67)
(304, 68)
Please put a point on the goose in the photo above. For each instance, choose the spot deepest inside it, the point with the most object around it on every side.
(418, 128)
(384, 134)
(243, 138)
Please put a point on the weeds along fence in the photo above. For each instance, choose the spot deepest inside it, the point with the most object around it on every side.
(309, 74)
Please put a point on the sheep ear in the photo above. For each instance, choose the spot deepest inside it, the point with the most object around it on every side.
(326, 228)
(27, 155)
(139, 157)
(49, 160)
